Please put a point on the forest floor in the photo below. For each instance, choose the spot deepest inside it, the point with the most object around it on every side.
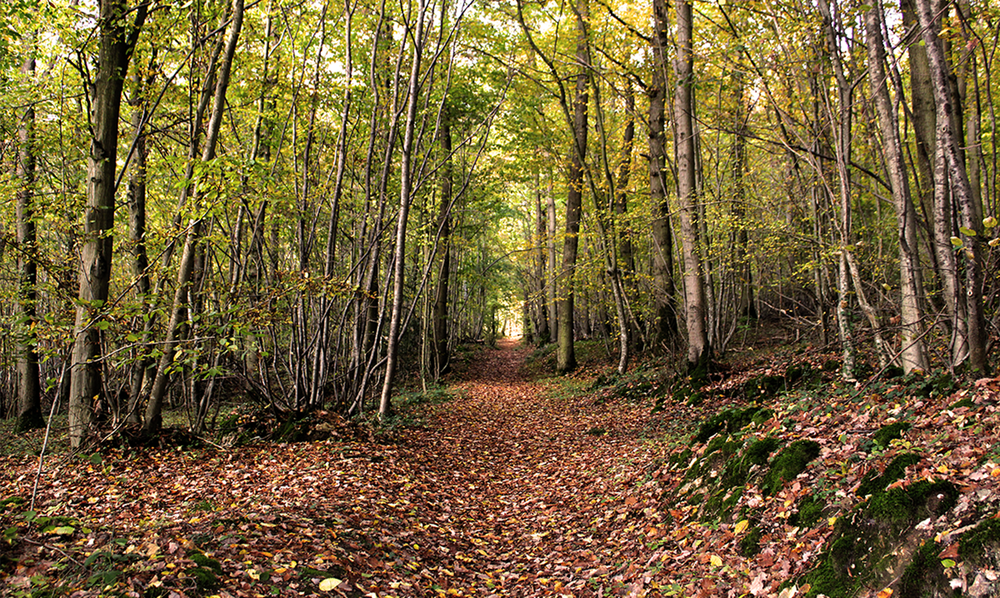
(513, 487)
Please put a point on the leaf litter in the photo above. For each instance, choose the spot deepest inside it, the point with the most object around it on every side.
(512, 489)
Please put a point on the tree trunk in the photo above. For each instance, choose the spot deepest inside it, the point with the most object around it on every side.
(699, 350)
(565, 350)
(29, 410)
(539, 311)
(551, 280)
(957, 176)
(116, 44)
(665, 293)
(913, 355)
(842, 151)
(185, 271)
(405, 200)
(137, 231)
(440, 314)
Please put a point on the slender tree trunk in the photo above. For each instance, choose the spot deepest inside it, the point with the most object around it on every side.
(842, 151)
(552, 280)
(185, 271)
(699, 350)
(442, 361)
(913, 354)
(744, 271)
(117, 42)
(29, 410)
(665, 293)
(137, 232)
(540, 311)
(405, 200)
(971, 229)
(565, 350)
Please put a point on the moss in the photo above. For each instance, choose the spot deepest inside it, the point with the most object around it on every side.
(909, 505)
(760, 450)
(764, 387)
(975, 543)
(788, 464)
(892, 372)
(727, 489)
(761, 416)
(887, 434)
(206, 579)
(206, 574)
(681, 458)
(750, 543)
(809, 513)
(966, 402)
(924, 576)
(942, 384)
(861, 552)
(873, 483)
(730, 421)
(798, 372)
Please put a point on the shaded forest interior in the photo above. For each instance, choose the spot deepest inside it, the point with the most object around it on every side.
(311, 206)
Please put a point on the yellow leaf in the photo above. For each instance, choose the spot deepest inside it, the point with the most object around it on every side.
(885, 593)
(716, 560)
(741, 527)
(329, 583)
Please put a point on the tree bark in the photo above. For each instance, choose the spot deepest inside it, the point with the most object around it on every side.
(29, 410)
(665, 293)
(442, 360)
(957, 176)
(913, 354)
(565, 350)
(405, 201)
(699, 350)
(842, 151)
(117, 42)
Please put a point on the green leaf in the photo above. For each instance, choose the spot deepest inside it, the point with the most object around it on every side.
(948, 563)
(64, 530)
(10, 534)
(956, 242)
(968, 232)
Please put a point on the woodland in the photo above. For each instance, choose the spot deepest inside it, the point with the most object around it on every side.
(279, 246)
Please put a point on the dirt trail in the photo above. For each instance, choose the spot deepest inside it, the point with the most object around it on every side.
(530, 484)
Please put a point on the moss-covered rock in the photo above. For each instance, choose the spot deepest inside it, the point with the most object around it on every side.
(924, 575)
(888, 433)
(788, 464)
(966, 402)
(729, 421)
(876, 544)
(206, 572)
(982, 543)
(874, 482)
(809, 513)
(764, 387)
(750, 542)
(941, 384)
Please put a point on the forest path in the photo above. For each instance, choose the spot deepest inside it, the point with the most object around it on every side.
(531, 484)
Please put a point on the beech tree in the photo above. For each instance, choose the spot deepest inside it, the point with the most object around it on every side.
(117, 38)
